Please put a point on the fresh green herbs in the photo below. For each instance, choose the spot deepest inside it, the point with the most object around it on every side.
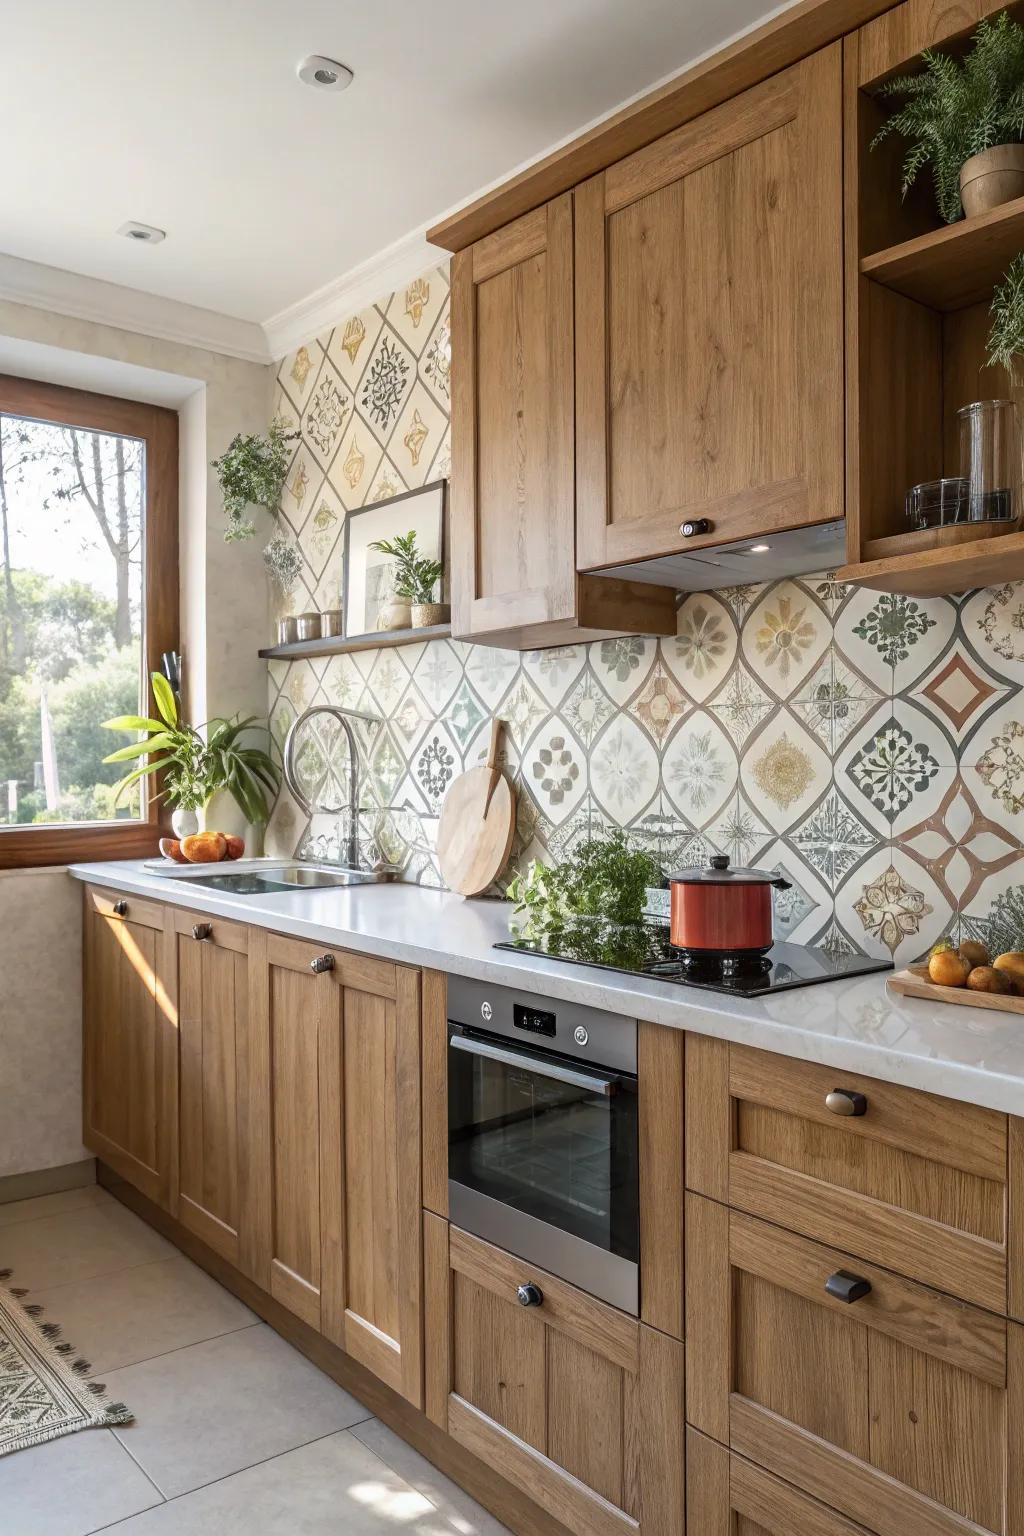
(604, 878)
(415, 576)
(251, 472)
(957, 108)
(1006, 338)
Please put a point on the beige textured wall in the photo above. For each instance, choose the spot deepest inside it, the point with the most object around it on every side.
(40, 1020)
(224, 619)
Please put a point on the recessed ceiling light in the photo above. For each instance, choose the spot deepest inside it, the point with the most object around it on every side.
(759, 549)
(146, 234)
(325, 74)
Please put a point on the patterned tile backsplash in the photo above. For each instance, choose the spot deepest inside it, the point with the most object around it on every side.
(869, 746)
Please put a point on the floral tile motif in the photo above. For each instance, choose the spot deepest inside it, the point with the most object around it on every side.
(784, 636)
(993, 625)
(892, 768)
(792, 906)
(623, 770)
(464, 714)
(491, 672)
(741, 706)
(784, 771)
(385, 384)
(738, 831)
(588, 708)
(524, 709)
(438, 674)
(833, 840)
(699, 768)
(891, 909)
(556, 771)
(660, 704)
(704, 647)
(436, 765)
(833, 700)
(327, 413)
(622, 665)
(554, 671)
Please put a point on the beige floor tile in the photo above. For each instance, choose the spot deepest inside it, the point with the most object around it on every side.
(451, 1501)
(118, 1320)
(52, 1205)
(335, 1487)
(77, 1245)
(210, 1410)
(71, 1486)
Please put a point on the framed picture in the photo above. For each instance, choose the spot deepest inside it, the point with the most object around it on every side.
(367, 572)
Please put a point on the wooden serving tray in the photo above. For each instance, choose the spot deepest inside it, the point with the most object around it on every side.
(914, 982)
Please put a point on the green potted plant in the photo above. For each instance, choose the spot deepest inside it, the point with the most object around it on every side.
(414, 578)
(965, 118)
(1006, 337)
(196, 765)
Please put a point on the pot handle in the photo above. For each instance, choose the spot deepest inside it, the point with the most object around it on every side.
(782, 884)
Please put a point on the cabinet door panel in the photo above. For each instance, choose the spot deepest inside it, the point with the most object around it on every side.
(727, 1496)
(707, 264)
(897, 1409)
(213, 1026)
(573, 1401)
(129, 1042)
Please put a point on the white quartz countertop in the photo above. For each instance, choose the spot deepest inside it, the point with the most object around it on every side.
(857, 1025)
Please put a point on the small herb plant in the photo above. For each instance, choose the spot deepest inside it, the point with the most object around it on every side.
(957, 108)
(603, 878)
(415, 575)
(251, 473)
(1006, 338)
(195, 767)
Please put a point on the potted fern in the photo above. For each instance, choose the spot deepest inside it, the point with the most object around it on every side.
(413, 579)
(965, 118)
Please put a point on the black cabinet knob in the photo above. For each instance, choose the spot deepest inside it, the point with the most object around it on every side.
(846, 1287)
(529, 1295)
(120, 908)
(846, 1101)
(321, 963)
(694, 526)
(202, 930)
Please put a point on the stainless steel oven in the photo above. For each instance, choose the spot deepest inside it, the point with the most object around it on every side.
(542, 1134)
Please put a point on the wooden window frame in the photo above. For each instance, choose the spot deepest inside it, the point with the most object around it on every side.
(29, 847)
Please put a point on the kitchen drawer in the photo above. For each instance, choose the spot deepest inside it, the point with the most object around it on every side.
(576, 1403)
(728, 1496)
(149, 914)
(912, 1182)
(901, 1408)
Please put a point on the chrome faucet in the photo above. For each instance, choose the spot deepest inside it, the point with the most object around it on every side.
(344, 718)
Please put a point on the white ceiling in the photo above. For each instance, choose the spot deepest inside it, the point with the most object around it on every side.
(187, 114)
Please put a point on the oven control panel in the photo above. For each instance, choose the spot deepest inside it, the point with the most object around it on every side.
(572, 1029)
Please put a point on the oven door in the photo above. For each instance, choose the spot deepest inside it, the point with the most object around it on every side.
(542, 1161)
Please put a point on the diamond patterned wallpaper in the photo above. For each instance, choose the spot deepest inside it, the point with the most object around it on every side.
(870, 746)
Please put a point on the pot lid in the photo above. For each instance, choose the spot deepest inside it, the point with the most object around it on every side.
(719, 871)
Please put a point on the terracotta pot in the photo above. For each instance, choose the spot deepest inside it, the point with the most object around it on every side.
(395, 615)
(993, 177)
(425, 614)
(722, 912)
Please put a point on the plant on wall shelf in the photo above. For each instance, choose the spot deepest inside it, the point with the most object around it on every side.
(251, 473)
(194, 766)
(959, 108)
(1006, 338)
(415, 575)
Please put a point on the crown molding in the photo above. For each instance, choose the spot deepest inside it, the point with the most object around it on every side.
(364, 284)
(129, 309)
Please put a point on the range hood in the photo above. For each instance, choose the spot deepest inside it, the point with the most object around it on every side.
(796, 553)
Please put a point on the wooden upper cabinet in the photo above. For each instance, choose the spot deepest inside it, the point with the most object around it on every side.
(129, 1043)
(569, 1399)
(897, 1406)
(212, 968)
(335, 1149)
(709, 326)
(513, 505)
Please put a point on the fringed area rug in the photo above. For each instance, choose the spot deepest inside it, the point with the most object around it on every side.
(44, 1391)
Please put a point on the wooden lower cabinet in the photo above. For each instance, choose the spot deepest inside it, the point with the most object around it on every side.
(728, 1496)
(335, 1149)
(574, 1402)
(898, 1406)
(211, 966)
(129, 1042)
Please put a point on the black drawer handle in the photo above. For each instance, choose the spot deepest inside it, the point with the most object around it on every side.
(202, 930)
(120, 909)
(843, 1286)
(846, 1101)
(321, 963)
(529, 1295)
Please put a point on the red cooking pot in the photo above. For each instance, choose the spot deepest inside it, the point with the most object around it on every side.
(723, 913)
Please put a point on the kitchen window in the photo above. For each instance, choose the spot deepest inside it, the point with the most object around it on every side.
(88, 605)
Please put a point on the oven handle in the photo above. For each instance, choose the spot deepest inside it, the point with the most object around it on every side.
(603, 1085)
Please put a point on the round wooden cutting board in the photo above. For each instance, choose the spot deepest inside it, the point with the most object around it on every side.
(478, 820)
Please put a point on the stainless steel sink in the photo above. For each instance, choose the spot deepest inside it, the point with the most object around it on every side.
(286, 877)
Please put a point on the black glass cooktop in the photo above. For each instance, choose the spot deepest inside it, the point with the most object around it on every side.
(644, 950)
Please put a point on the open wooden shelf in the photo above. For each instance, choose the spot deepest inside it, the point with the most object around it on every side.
(956, 266)
(337, 645)
(939, 571)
